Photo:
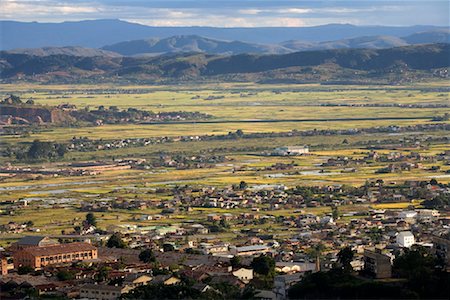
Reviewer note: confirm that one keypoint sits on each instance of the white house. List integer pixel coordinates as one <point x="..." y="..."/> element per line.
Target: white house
<point x="291" y="150"/>
<point x="405" y="239"/>
<point x="409" y="214"/>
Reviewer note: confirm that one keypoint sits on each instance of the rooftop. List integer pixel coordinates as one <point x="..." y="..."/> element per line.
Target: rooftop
<point x="60" y="249"/>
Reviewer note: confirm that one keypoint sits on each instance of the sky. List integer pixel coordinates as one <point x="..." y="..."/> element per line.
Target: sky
<point x="233" y="13"/>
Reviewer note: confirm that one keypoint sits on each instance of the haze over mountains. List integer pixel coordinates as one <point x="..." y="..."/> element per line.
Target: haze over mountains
<point x="98" y="33"/>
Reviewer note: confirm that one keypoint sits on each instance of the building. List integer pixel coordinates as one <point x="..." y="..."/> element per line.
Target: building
<point x="250" y="250"/>
<point x="377" y="264"/>
<point x="33" y="241"/>
<point x="282" y="284"/>
<point x="3" y="265"/>
<point x="166" y="279"/>
<point x="134" y="280"/>
<point x="290" y="150"/>
<point x="38" y="257"/>
<point x="405" y="239"/>
<point x="102" y="292"/>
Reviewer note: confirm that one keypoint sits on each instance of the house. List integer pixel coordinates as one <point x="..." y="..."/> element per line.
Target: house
<point x="250" y="250"/>
<point x="38" y="257"/>
<point x="43" y="289"/>
<point x="244" y="274"/>
<point x="166" y="280"/>
<point x="102" y="291"/>
<point x="290" y="150"/>
<point x="218" y="278"/>
<point x="202" y="287"/>
<point x="405" y="239"/>
<point x="264" y="295"/>
<point x="213" y="217"/>
<point x="377" y="264"/>
<point x="135" y="280"/>
<point x="282" y="283"/>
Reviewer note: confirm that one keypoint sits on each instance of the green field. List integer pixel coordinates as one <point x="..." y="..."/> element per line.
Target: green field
<point x="241" y="101"/>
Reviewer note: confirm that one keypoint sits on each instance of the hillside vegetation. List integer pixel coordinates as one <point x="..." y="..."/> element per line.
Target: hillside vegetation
<point x="392" y="65"/>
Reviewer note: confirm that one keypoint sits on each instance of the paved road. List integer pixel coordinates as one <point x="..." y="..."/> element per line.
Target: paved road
<point x="287" y="120"/>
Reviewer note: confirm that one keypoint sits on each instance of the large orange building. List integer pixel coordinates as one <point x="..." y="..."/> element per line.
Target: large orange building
<point x="59" y="254"/>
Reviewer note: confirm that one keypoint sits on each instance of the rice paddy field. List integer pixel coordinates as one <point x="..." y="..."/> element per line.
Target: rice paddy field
<point x="59" y="197"/>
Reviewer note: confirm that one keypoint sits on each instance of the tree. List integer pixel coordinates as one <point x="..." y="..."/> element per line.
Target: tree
<point x="264" y="265"/>
<point x="235" y="261"/>
<point x="147" y="256"/>
<point x="42" y="150"/>
<point x="102" y="274"/>
<point x="64" y="275"/>
<point x="345" y="257"/>
<point x="224" y="224"/>
<point x="115" y="241"/>
<point x="413" y="261"/>
<point x="167" y="247"/>
<point x="243" y="185"/>
<point x="418" y="266"/>
<point x="335" y="212"/>
<point x="91" y="219"/>
<point x="315" y="252"/>
<point x="24" y="270"/>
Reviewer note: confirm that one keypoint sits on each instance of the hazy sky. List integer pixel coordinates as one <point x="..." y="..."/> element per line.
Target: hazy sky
<point x="232" y="13"/>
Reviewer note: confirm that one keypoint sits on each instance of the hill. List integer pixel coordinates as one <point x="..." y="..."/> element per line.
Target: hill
<point x="434" y="36"/>
<point x="308" y="66"/>
<point x="368" y="42"/>
<point x="192" y="43"/>
<point x="98" y="33"/>
<point x="70" y="51"/>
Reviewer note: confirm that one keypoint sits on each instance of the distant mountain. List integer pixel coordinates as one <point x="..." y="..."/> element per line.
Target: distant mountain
<point x="373" y="42"/>
<point x="310" y="66"/>
<point x="198" y="44"/>
<point x="192" y="43"/>
<point x="368" y="42"/>
<point x="427" y="37"/>
<point x="97" y="33"/>
<point x="70" y="51"/>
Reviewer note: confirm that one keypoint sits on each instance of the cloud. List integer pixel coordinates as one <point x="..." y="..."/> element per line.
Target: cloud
<point x="251" y="11"/>
<point x="294" y="10"/>
<point x="232" y="13"/>
<point x="24" y="9"/>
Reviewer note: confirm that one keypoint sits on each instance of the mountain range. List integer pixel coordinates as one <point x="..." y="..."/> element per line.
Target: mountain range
<point x="98" y="33"/>
<point x="193" y="43"/>
<point x="307" y="66"/>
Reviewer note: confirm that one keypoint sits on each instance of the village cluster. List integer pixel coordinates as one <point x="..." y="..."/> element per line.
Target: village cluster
<point x="109" y="263"/>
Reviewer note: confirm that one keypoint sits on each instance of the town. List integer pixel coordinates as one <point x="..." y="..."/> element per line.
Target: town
<point x="228" y="254"/>
<point x="248" y="150"/>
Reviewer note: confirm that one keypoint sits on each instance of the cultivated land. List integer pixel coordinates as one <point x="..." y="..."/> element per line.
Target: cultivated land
<point x="55" y="201"/>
